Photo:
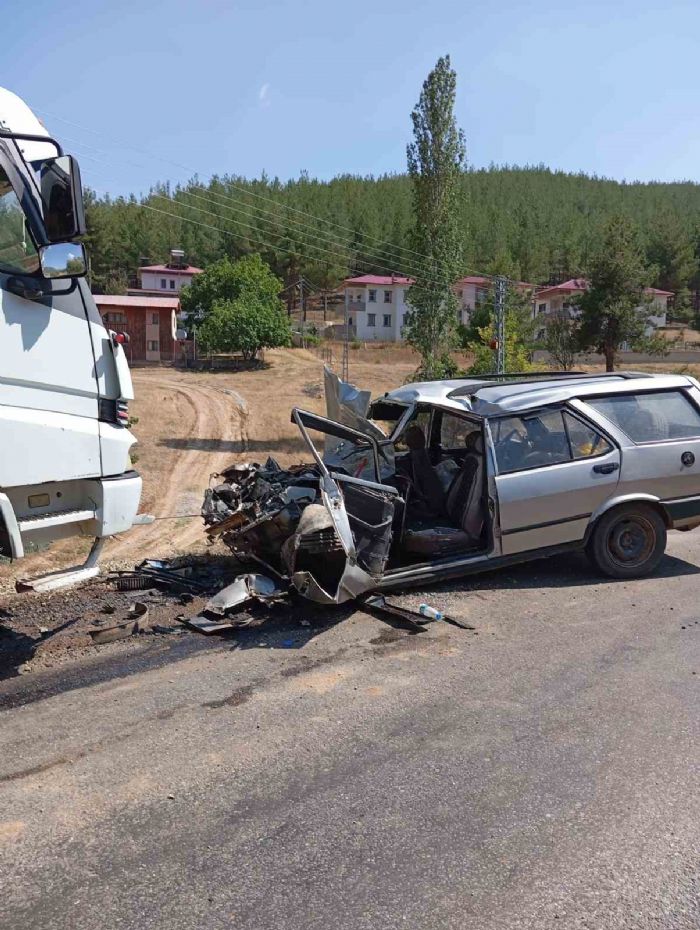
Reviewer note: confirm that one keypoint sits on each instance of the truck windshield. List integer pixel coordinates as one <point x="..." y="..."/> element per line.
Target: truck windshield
<point x="17" y="251"/>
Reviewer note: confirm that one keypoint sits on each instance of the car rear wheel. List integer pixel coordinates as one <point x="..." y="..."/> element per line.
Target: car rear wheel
<point x="628" y="541"/>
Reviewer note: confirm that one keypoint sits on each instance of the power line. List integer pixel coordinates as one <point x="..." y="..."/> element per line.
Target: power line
<point x="376" y="259"/>
<point x="251" y="193"/>
<point x="256" y="239"/>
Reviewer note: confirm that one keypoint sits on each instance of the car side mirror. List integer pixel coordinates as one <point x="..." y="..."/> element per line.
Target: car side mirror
<point x="63" y="260"/>
<point x="62" y="198"/>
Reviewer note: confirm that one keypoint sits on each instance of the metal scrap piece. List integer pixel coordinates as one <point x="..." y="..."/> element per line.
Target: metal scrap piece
<point x="138" y="623"/>
<point x="245" y="588"/>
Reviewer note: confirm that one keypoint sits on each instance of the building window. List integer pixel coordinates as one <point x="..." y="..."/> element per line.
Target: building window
<point x="371" y="318"/>
<point x="372" y="296"/>
<point x="481" y="295"/>
<point x="114" y="318"/>
<point x="387" y="319"/>
<point x="152" y="345"/>
<point x="387" y="297"/>
<point x="172" y="284"/>
<point x="163" y="283"/>
<point x="542" y="308"/>
<point x="154" y="318"/>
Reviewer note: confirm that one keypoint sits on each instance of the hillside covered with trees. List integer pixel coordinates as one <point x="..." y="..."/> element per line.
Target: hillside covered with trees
<point x="533" y="224"/>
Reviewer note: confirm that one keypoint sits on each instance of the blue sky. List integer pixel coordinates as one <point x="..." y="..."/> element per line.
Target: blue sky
<point x="327" y="87"/>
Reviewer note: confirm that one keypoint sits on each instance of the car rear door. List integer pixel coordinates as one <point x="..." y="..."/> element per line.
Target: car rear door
<point x="661" y="455"/>
<point x="554" y="470"/>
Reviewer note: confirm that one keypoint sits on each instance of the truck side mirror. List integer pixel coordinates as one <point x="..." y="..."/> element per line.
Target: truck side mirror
<point x="63" y="260"/>
<point x="62" y="197"/>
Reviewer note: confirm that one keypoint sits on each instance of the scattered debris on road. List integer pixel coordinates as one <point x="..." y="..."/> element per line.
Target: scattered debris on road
<point x="137" y="623"/>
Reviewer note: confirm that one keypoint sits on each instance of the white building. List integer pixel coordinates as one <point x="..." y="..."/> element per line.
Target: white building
<point x="167" y="279"/>
<point x="476" y="290"/>
<point x="563" y="298"/>
<point x="377" y="304"/>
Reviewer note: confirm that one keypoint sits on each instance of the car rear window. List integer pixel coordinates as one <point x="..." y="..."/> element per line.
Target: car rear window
<point x="651" y="417"/>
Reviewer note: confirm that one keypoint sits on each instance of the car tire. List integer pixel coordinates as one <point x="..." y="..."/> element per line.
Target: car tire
<point x="628" y="541"/>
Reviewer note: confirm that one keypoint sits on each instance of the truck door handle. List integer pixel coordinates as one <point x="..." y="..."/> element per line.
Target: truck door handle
<point x="606" y="468"/>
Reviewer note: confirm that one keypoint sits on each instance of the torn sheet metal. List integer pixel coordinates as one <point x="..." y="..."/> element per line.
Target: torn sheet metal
<point x="245" y="588"/>
<point x="348" y="405"/>
<point x="326" y="533"/>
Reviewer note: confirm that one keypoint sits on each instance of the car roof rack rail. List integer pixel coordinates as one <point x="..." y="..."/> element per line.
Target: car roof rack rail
<point x="526" y="377"/>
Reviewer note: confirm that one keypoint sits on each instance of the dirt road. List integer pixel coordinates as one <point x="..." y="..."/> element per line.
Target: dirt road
<point x="206" y="432"/>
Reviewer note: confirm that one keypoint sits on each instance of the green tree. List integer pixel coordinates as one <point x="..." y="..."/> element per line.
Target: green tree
<point x="249" y="279"/>
<point x="671" y="252"/>
<point x="517" y="354"/>
<point x="561" y="340"/>
<point x="435" y="162"/>
<point x="236" y="307"/>
<point x="246" y="325"/>
<point x="614" y="310"/>
<point x="477" y="336"/>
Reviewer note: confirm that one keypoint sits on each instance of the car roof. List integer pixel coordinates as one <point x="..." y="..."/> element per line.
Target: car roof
<point x="489" y="396"/>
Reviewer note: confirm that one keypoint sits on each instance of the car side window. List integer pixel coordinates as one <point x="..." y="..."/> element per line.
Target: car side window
<point x="454" y="430"/>
<point x="421" y="419"/>
<point x="651" y="417"/>
<point x="530" y="441"/>
<point x="584" y="440"/>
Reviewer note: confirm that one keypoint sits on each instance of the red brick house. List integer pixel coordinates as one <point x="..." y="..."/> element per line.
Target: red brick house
<point x="150" y="321"/>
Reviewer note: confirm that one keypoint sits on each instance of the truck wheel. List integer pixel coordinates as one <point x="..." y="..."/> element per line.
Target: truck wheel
<point x="628" y="541"/>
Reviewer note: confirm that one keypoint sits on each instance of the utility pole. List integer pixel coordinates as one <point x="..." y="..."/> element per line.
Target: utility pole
<point x="345" y="365"/>
<point x="500" y="285"/>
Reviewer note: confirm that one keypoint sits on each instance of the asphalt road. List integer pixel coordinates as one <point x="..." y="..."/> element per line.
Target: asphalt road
<point x="540" y="773"/>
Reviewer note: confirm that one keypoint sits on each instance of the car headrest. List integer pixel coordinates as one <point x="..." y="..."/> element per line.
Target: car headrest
<point x="415" y="439"/>
<point x="474" y="442"/>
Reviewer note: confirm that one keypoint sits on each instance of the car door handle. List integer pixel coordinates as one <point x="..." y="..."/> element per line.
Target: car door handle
<point x="606" y="468"/>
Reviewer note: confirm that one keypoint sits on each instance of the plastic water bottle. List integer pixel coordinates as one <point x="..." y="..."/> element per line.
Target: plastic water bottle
<point x="431" y="613"/>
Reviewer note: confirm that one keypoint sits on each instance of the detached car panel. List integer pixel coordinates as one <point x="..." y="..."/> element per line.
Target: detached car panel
<point x="443" y="478"/>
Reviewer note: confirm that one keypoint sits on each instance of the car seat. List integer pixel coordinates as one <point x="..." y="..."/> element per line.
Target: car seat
<point x="427" y="490"/>
<point x="464" y="508"/>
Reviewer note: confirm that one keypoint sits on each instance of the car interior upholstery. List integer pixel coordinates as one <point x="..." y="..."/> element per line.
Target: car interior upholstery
<point x="438" y="521"/>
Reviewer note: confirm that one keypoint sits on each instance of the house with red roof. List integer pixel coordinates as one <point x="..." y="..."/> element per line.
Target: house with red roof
<point x="377" y="305"/>
<point x="169" y="278"/>
<point x="562" y="298"/>
<point x="148" y="320"/>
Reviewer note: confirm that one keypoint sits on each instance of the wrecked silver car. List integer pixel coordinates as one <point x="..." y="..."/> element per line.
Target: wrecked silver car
<point x="440" y="479"/>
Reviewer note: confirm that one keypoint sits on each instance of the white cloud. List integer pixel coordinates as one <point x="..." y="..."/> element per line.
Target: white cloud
<point x="264" y="95"/>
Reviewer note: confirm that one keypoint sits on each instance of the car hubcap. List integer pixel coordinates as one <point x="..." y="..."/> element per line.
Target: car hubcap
<point x="631" y="541"/>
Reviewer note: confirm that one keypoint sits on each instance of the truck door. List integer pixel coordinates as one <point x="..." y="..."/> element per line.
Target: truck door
<point x="554" y="471"/>
<point x="48" y="391"/>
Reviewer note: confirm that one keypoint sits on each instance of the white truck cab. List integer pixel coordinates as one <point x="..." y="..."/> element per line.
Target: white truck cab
<point x="64" y="380"/>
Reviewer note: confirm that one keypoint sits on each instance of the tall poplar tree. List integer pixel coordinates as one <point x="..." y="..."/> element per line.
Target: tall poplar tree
<point x="436" y="159"/>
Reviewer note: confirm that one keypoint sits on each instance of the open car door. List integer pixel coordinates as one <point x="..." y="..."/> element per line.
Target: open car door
<point x="360" y="512"/>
